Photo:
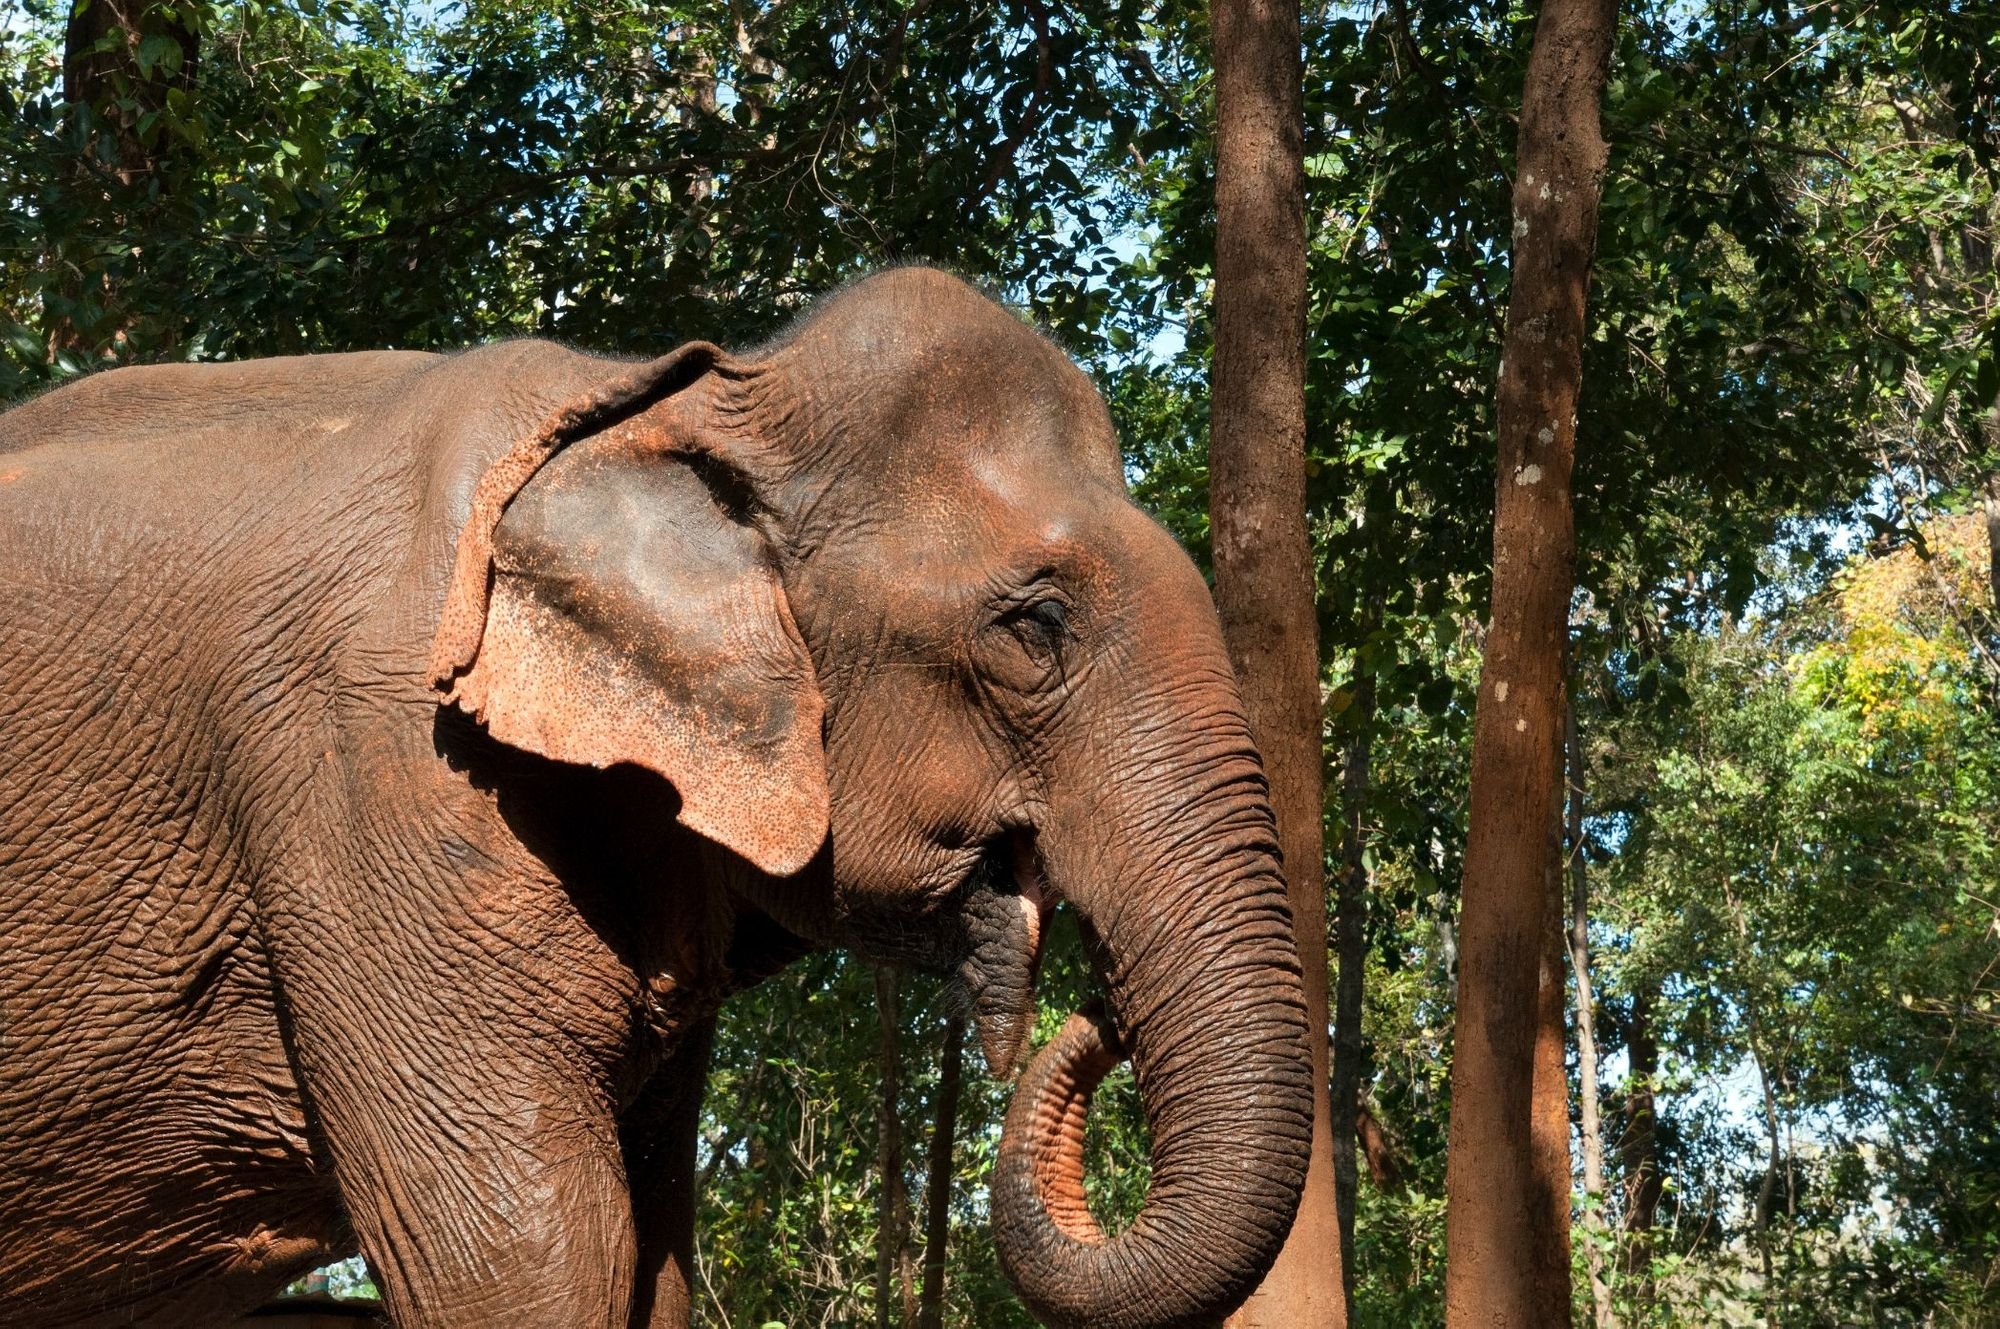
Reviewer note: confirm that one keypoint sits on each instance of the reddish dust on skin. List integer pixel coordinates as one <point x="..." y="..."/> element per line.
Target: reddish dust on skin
<point x="462" y="623"/>
<point x="750" y="773"/>
<point x="1051" y="1107"/>
<point x="8" y="477"/>
<point x="562" y="664"/>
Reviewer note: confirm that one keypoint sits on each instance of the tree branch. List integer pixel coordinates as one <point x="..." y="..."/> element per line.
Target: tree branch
<point x="1031" y="115"/>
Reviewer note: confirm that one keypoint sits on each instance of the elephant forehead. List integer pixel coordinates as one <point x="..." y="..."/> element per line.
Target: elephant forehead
<point x="985" y="511"/>
<point x="1054" y="423"/>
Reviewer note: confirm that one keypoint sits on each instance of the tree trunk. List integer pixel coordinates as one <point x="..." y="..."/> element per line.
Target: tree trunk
<point x="1992" y="487"/>
<point x="937" y="1186"/>
<point x="1447" y="930"/>
<point x="1264" y="580"/>
<point x="1496" y="1185"/>
<point x="1988" y="485"/>
<point x="1753" y="1029"/>
<point x="1638" y="1150"/>
<point x="1548" y="1110"/>
<point x="1352" y="927"/>
<point x="1762" y="1217"/>
<point x="1590" y="1127"/>
<point x="116" y="81"/>
<point x="895" y="1292"/>
<point x="1383" y="1168"/>
<point x="103" y="71"/>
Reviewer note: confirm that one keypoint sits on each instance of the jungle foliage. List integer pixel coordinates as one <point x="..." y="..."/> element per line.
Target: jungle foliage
<point x="1785" y="648"/>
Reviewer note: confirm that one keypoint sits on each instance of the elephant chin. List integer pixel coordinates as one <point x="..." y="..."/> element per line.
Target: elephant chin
<point x="1005" y="930"/>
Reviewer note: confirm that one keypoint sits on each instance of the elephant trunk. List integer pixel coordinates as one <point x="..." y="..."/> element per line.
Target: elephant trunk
<point x="1194" y="935"/>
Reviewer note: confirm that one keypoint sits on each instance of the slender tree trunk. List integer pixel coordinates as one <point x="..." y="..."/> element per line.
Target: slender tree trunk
<point x="1497" y="1183"/>
<point x="1590" y="1128"/>
<point x="1764" y="1190"/>
<point x="1753" y="1028"/>
<point x="1638" y="1150"/>
<point x="1992" y="488"/>
<point x="895" y="1291"/>
<point x="1352" y="926"/>
<point x="1989" y="487"/>
<point x="937" y="1186"/>
<point x="1447" y="930"/>
<point x="1264" y="581"/>
<point x="1383" y="1168"/>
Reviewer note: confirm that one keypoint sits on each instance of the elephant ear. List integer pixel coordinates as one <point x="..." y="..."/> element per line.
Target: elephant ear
<point x="613" y="601"/>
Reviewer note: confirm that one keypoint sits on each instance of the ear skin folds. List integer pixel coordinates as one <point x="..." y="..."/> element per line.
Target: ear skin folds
<point x="606" y="608"/>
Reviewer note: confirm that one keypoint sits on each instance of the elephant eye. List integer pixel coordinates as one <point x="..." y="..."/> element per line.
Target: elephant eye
<point x="1032" y="627"/>
<point x="1052" y="616"/>
<point x="1042" y="627"/>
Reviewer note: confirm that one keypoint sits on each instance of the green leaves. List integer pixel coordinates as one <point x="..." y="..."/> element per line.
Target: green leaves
<point x="622" y="179"/>
<point x="1795" y="346"/>
<point x="155" y="55"/>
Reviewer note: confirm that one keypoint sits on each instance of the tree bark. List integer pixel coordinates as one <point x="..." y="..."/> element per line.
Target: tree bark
<point x="1352" y="931"/>
<point x="1765" y="1189"/>
<point x="118" y="90"/>
<point x="1590" y="1126"/>
<point x="1989" y="487"/>
<point x="1638" y="1149"/>
<point x="1383" y="1168"/>
<point x="117" y="75"/>
<point x="1548" y="1112"/>
<point x="1497" y="1245"/>
<point x="1753" y="1035"/>
<point x="937" y="1186"/>
<point x="1264" y="580"/>
<point x="895" y="1291"/>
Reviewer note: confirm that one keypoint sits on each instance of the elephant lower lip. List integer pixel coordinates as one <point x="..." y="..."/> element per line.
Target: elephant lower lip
<point x="1036" y="901"/>
<point x="1031" y="919"/>
<point x="1006" y="931"/>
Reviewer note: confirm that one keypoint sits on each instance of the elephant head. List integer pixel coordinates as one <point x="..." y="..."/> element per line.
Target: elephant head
<point x="874" y="599"/>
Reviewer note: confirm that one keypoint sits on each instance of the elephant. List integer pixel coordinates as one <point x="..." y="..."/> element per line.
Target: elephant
<point x="404" y="755"/>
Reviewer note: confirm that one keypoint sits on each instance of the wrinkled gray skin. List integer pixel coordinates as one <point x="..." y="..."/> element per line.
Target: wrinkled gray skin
<point x="402" y="756"/>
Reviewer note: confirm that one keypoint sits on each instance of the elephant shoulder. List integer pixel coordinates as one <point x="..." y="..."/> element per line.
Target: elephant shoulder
<point x="395" y="398"/>
<point x="145" y="403"/>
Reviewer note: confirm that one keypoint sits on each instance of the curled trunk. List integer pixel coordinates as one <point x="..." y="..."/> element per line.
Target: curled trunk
<point x="1214" y="1018"/>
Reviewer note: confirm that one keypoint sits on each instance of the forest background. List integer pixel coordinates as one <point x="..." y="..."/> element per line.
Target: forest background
<point x="1784" y="809"/>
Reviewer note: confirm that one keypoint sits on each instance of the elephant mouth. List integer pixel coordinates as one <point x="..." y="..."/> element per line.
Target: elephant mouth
<point x="1005" y="914"/>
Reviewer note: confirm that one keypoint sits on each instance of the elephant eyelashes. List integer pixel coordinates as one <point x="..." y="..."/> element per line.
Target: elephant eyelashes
<point x="1042" y="626"/>
<point x="1052" y="616"/>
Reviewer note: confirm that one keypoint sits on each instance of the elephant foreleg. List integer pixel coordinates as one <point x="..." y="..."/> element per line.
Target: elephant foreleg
<point x="474" y="1152"/>
<point x="659" y="1141"/>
